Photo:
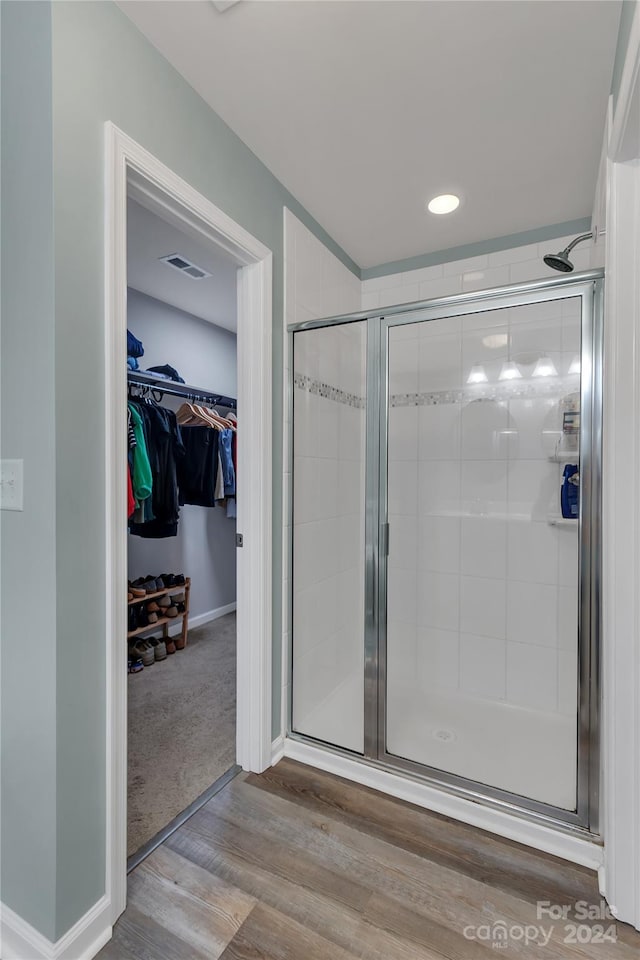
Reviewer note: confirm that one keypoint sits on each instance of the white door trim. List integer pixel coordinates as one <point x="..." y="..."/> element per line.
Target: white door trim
<point x="129" y="168"/>
<point x="620" y="874"/>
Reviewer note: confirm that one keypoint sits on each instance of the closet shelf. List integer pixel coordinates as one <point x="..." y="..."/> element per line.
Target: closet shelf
<point x="159" y="593"/>
<point x="160" y="622"/>
<point x="175" y="389"/>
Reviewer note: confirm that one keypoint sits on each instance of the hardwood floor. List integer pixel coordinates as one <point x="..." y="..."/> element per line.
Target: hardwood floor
<point x="296" y="864"/>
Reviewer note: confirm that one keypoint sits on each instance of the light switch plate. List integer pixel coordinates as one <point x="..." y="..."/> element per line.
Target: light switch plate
<point x="11" y="477"/>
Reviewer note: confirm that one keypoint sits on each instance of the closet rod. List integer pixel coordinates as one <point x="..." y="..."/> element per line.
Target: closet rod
<point x="180" y="389"/>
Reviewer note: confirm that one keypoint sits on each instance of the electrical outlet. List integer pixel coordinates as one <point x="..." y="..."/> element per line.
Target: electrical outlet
<point x="11" y="475"/>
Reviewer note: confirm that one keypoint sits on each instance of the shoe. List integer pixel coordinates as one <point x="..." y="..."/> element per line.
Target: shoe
<point x="152" y="617"/>
<point x="150" y="585"/>
<point x="129" y="597"/>
<point x="181" y="607"/>
<point x="145" y="652"/>
<point x="180" y="581"/>
<point x="178" y="597"/>
<point x="180" y="643"/>
<point x="163" y="602"/>
<point x="137" y="591"/>
<point x="159" y="647"/>
<point x="133" y="620"/>
<point x="135" y="665"/>
<point x="152" y="607"/>
<point x="142" y="617"/>
<point x="160" y="584"/>
<point x="170" y="645"/>
<point x="171" y="611"/>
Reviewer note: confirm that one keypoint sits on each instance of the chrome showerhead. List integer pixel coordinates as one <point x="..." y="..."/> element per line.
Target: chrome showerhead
<point x="560" y="261"/>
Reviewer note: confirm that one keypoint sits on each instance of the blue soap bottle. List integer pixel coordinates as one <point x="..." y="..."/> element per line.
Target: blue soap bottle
<point x="570" y="492"/>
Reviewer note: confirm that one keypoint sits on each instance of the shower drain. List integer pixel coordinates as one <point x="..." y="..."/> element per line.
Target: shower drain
<point x="447" y="736"/>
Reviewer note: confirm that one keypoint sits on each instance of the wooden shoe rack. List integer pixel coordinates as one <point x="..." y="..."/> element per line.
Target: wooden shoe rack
<point x="164" y="622"/>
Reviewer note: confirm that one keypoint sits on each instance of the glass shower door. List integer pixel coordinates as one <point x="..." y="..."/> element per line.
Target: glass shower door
<point x="329" y="389"/>
<point x="481" y="665"/>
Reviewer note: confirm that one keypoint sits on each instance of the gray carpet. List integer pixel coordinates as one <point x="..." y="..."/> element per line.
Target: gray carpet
<point x="182" y="728"/>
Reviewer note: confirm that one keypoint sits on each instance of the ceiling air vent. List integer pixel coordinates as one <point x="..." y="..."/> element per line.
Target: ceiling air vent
<point x="185" y="266"/>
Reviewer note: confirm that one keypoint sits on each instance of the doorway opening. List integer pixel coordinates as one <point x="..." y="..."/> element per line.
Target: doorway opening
<point x="203" y="597"/>
<point x="182" y="410"/>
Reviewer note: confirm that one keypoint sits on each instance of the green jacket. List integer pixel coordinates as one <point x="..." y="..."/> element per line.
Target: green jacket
<point x="141" y="479"/>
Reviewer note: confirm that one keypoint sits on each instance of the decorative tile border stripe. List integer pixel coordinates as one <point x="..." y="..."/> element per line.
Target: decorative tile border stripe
<point x="553" y="389"/>
<point x="320" y="389"/>
<point x="490" y="391"/>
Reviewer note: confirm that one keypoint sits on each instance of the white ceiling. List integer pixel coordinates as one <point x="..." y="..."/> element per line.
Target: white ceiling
<point x="365" y="110"/>
<point x="148" y="238"/>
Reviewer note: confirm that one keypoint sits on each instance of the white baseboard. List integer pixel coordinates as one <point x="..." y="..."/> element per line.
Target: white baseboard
<point x="564" y="845"/>
<point x="277" y="750"/>
<point x="201" y="619"/>
<point x="20" y="941"/>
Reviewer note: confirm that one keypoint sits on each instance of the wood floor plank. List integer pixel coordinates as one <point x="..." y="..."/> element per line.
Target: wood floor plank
<point x="345" y="927"/>
<point x="374" y="863"/>
<point x="197" y="906"/>
<point x="257" y="841"/>
<point x="137" y="937"/>
<point x="270" y="935"/>
<point x="534" y="875"/>
<point x="421" y="931"/>
<point x="298" y="864"/>
<point x="432" y="891"/>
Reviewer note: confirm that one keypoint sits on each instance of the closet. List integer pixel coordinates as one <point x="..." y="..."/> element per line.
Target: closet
<point x="182" y="472"/>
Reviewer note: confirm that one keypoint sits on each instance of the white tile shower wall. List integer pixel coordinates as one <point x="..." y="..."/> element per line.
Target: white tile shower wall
<point x="482" y="589"/>
<point x="328" y="476"/>
<point x="516" y="265"/>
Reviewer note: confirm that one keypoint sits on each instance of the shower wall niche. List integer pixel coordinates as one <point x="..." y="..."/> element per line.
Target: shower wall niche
<point x="445" y="592"/>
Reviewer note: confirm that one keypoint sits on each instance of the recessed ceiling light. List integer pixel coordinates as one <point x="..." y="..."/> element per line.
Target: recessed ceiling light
<point x="545" y="367"/>
<point x="509" y="371"/>
<point x="445" y="203"/>
<point x="477" y="374"/>
<point x="495" y="340"/>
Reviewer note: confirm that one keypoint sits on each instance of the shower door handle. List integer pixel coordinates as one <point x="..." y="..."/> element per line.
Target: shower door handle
<point x="384" y="539"/>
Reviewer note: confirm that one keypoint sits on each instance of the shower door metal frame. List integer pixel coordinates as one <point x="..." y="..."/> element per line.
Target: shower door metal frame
<point x="589" y="287"/>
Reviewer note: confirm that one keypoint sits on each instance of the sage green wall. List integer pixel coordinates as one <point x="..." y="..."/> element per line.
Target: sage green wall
<point x="28" y="579"/>
<point x="104" y="69"/>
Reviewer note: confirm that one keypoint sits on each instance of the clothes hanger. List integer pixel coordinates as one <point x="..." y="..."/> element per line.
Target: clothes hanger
<point x="191" y="414"/>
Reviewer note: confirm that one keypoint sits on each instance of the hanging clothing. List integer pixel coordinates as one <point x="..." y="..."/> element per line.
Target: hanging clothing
<point x="131" y="500"/>
<point x="165" y="449"/>
<point x="198" y="470"/>
<point x="139" y="457"/>
<point x="228" y="471"/>
<point x="219" y="491"/>
<point x="130" y="433"/>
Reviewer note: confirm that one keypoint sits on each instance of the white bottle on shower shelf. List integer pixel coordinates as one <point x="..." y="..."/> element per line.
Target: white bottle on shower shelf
<point x="570" y="410"/>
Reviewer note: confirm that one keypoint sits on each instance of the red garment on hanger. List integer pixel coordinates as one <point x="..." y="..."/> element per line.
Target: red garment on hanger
<point x="131" y="500"/>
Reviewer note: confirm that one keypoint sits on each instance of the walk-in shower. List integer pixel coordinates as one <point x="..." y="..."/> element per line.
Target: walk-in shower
<point x="445" y="538"/>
